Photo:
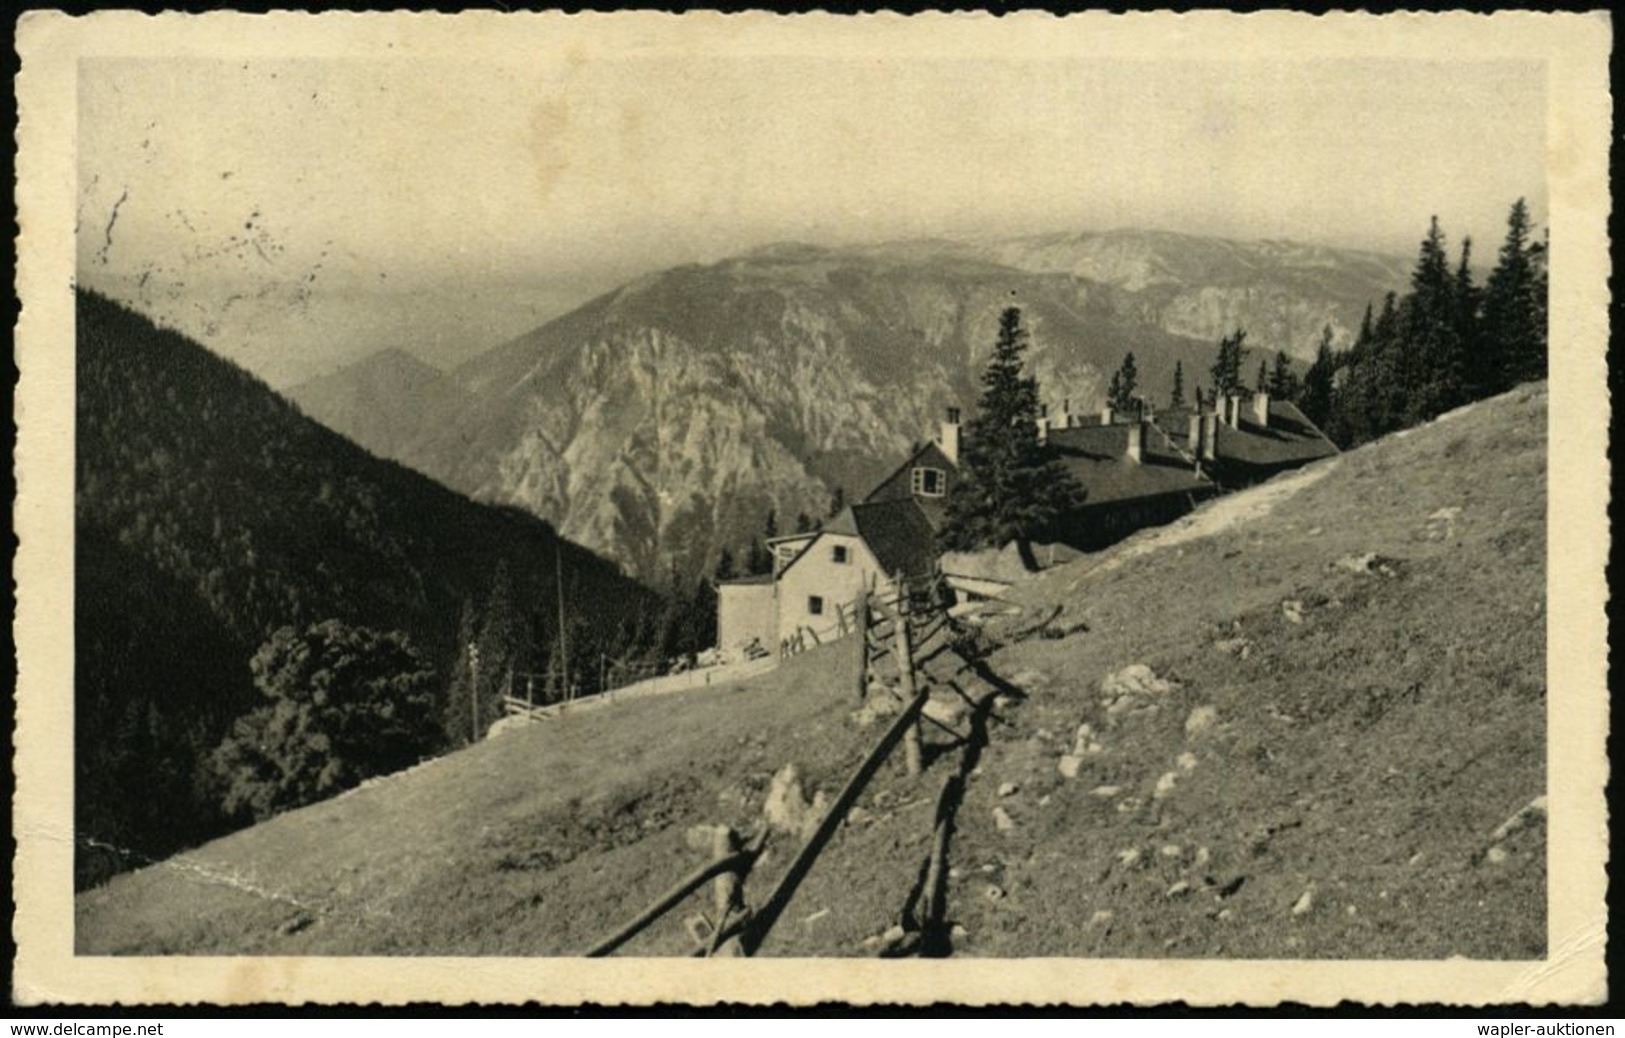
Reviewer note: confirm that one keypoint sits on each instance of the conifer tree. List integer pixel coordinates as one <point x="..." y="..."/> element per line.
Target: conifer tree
<point x="1124" y="382"/>
<point x="1514" y="327"/>
<point x="837" y="501"/>
<point x="1262" y="382"/>
<point x="1010" y="487"/>
<point x="1316" y="396"/>
<point x="1227" y="368"/>
<point x="725" y="566"/>
<point x="1177" y="397"/>
<point x="1283" y="384"/>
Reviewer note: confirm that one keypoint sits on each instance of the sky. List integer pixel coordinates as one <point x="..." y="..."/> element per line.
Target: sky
<point x="296" y="214"/>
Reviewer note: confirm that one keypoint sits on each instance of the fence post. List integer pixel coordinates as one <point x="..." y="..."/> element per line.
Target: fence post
<point x="861" y="620"/>
<point x="913" y="752"/>
<point x="725" y="889"/>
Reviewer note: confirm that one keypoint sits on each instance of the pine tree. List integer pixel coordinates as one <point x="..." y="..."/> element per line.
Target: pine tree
<point x="1316" y="396"/>
<point x="837" y="501"/>
<point x="1470" y="373"/>
<point x="1431" y="369"/>
<point x="1125" y="381"/>
<point x="456" y="720"/>
<point x="1227" y="368"/>
<point x="1010" y="487"/>
<point x="725" y="566"/>
<point x="1177" y="397"/>
<point x="1283" y="383"/>
<point x="1514" y="326"/>
<point x="1262" y="382"/>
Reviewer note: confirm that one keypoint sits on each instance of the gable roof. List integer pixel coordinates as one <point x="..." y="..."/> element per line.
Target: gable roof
<point x="1097" y="457"/>
<point x="928" y="455"/>
<point x="1289" y="440"/>
<point x="899" y="534"/>
<point x="896" y="532"/>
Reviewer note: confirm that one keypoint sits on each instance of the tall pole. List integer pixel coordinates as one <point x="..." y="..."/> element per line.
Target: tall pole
<point x="473" y="693"/>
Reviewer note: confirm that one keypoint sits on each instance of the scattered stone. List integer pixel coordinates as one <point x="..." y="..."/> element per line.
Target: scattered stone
<point x="1496" y="855"/>
<point x="945" y="711"/>
<point x="1165" y="784"/>
<point x="859" y="815"/>
<point x="1002" y="820"/>
<point x="821" y="913"/>
<point x="1179" y="889"/>
<point x="1085" y="743"/>
<point x="1129" y="856"/>
<point x="1306" y="903"/>
<point x="958" y="932"/>
<point x="701" y="837"/>
<point x="1519" y="819"/>
<point x="1202" y="856"/>
<point x="1069" y="765"/>
<point x="1417" y="858"/>
<point x="1225" y="913"/>
<point x="955" y="872"/>
<point x="786" y="809"/>
<point x="1292" y="609"/>
<point x="990" y="867"/>
<point x="1170" y="850"/>
<point x="1136" y="682"/>
<point x="1201" y="720"/>
<point x="1186" y="762"/>
<point x="1105" y="792"/>
<point x="1043" y="801"/>
<point x="1101" y="917"/>
<point x="1241" y="648"/>
<point x="992" y="892"/>
<point x="1127" y="804"/>
<point x="1351" y="911"/>
<point x="1314" y="531"/>
<point x="1008" y="789"/>
<point x="1368" y="564"/>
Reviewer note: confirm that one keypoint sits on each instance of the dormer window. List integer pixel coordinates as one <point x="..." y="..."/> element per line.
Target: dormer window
<point x="929" y="482"/>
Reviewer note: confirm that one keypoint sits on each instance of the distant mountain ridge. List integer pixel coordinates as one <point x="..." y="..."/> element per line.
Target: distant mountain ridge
<point x="660" y="422"/>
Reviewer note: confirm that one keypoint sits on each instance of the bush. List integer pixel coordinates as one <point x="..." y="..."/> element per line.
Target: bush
<point x="343" y="704"/>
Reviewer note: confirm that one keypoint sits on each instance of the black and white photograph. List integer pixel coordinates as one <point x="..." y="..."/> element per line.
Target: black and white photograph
<point x="1079" y="495"/>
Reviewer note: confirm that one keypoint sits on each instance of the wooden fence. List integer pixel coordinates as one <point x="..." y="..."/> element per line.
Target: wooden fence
<point x="893" y="626"/>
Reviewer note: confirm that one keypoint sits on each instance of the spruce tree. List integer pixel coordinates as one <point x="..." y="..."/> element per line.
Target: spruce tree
<point x="1514" y="327"/>
<point x="1124" y="382"/>
<point x="1283" y="384"/>
<point x="1262" y="382"/>
<point x="1227" y="368"/>
<point x="1010" y="487"/>
<point x="1177" y="397"/>
<point x="1316" y="396"/>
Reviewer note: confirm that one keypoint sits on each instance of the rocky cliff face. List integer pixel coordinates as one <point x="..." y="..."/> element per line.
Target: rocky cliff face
<point x="661" y="422"/>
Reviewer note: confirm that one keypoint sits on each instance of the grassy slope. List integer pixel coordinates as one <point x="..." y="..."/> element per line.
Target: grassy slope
<point x="1364" y="754"/>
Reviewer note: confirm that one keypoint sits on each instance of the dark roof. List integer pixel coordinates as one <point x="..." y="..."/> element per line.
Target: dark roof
<point x="1290" y="439"/>
<point x="931" y="455"/>
<point x="899" y="534"/>
<point x="1097" y="457"/>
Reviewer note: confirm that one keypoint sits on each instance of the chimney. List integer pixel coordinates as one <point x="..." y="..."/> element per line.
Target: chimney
<point x="948" y="439"/>
<point x="1210" y="437"/>
<point x="1261" y="409"/>
<point x="1136" y="442"/>
<point x="1106" y="415"/>
<point x="1232" y="416"/>
<point x="1066" y="412"/>
<point x="1043" y="428"/>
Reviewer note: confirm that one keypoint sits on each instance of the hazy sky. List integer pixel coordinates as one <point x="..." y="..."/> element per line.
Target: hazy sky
<point x="303" y="212"/>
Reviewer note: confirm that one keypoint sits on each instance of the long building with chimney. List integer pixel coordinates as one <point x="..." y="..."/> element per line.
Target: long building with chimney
<point x="1136" y="471"/>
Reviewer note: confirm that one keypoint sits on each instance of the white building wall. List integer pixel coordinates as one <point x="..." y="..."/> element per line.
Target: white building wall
<point x="817" y="573"/>
<point x="746" y="612"/>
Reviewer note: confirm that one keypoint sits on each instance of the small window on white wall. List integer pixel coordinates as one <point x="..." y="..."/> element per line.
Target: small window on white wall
<point x="815" y="605"/>
<point x="930" y="482"/>
<point x="838" y="554"/>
